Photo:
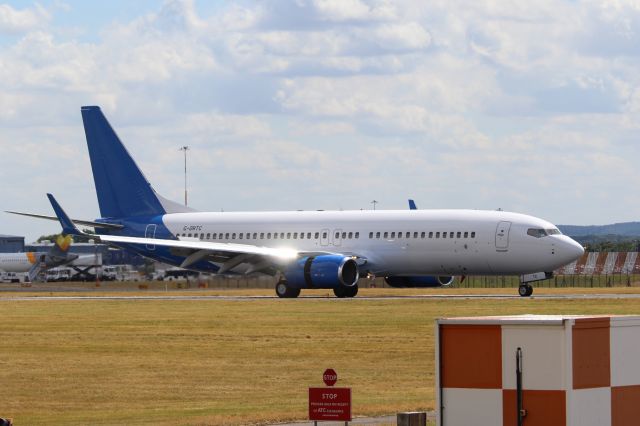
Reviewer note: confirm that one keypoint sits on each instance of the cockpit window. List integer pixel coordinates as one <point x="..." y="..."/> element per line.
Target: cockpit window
<point x="539" y="232"/>
<point x="536" y="232"/>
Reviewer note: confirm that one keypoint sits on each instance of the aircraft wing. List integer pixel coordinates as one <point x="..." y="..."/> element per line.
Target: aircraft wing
<point x="228" y="255"/>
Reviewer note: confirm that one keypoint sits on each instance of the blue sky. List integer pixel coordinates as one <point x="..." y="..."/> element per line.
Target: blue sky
<point x="328" y="104"/>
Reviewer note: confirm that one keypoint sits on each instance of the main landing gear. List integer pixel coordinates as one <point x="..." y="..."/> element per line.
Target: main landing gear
<point x="284" y="291"/>
<point x="525" y="290"/>
<point x="346" y="291"/>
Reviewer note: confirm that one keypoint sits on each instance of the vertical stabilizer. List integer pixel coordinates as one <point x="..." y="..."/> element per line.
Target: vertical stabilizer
<point x="121" y="187"/>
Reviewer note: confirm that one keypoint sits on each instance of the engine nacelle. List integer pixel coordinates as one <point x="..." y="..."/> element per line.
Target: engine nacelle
<point x="325" y="271"/>
<point x="419" y="281"/>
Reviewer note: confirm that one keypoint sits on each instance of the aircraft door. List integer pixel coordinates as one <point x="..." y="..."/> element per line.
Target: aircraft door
<point x="150" y="232"/>
<point x="502" y="236"/>
<point x="324" y="237"/>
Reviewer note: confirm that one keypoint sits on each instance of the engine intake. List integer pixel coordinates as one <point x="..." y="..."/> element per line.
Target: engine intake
<point x="419" y="281"/>
<point x="325" y="271"/>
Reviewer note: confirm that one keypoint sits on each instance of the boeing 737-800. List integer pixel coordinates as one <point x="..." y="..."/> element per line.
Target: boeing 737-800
<point x="313" y="249"/>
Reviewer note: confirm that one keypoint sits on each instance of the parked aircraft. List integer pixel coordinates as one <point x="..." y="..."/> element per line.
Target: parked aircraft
<point x="313" y="249"/>
<point x="36" y="262"/>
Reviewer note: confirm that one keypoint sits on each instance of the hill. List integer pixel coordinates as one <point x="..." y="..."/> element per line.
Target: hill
<point x="626" y="229"/>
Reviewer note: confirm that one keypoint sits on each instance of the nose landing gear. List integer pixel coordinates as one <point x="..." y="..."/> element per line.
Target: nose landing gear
<point x="525" y="290"/>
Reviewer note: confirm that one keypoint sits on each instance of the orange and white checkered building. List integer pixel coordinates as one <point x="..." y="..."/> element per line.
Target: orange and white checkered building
<point x="576" y="370"/>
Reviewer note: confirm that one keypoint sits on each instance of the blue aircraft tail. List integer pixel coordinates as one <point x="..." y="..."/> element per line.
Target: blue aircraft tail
<point x="122" y="189"/>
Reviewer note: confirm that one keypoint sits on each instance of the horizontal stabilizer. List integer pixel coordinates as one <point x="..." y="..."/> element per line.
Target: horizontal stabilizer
<point x="76" y="221"/>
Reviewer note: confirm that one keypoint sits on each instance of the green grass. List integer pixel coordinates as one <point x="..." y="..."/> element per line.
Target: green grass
<point x="228" y="362"/>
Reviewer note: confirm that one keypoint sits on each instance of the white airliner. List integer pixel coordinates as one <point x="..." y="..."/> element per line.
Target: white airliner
<point x="318" y="249"/>
<point x="36" y="262"/>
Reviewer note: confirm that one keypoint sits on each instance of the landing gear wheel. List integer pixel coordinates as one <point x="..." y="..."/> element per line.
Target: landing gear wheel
<point x="525" y="290"/>
<point x="352" y="291"/>
<point x="284" y="291"/>
<point x="529" y="289"/>
<point x="342" y="291"/>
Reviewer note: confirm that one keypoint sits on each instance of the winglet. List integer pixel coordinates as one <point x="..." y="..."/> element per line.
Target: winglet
<point x="68" y="227"/>
<point x="412" y="205"/>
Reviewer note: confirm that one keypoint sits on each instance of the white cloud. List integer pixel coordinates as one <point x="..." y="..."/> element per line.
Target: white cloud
<point x="14" y="21"/>
<point x="325" y="104"/>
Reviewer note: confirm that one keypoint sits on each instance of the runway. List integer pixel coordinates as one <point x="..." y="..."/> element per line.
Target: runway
<point x="328" y="299"/>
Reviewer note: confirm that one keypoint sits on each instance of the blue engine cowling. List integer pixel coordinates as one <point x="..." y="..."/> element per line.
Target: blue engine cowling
<point x="419" y="282"/>
<point x="325" y="271"/>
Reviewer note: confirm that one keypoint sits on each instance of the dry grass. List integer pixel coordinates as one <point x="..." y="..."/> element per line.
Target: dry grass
<point x="228" y="362"/>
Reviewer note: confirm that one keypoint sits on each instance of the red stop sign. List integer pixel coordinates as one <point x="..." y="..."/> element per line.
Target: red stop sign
<point x="330" y="377"/>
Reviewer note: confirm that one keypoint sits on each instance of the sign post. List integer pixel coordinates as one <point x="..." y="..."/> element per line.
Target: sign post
<point x="329" y="403"/>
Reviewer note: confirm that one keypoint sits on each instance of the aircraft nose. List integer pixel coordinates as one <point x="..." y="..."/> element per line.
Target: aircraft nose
<point x="572" y="250"/>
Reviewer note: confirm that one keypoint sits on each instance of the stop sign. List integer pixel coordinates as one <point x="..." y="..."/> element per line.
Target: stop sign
<point x="330" y="377"/>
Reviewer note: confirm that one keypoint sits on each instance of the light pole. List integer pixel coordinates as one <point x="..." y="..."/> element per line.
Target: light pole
<point x="185" y="149"/>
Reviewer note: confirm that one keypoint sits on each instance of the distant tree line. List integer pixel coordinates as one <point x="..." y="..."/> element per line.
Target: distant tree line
<point x="606" y="243"/>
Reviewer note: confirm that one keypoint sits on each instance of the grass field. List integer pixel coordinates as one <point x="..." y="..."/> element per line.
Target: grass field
<point x="229" y="362"/>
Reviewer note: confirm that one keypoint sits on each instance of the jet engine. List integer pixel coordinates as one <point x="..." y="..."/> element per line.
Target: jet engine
<point x="325" y="271"/>
<point x="419" y="281"/>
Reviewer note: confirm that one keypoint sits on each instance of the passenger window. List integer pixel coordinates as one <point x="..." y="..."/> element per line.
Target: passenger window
<point x="309" y="235"/>
<point x="255" y="235"/>
<point x="317" y="234"/>
<point x="350" y="235"/>
<point x="275" y="235"/>
<point x="393" y="235"/>
<point x="399" y="234"/>
<point x="202" y="236"/>
<point x="268" y="235"/>
<point x="324" y="235"/>
<point x="240" y="236"/>
<point x="288" y="235"/>
<point x="337" y="236"/>
<point x="262" y="235"/>
<point x="377" y="234"/>
<point x="357" y="235"/>
<point x="302" y="235"/>
<point x="386" y="235"/>
<point x="437" y="235"/>
<point x="282" y="235"/>
<point x="208" y="235"/>
<point x="233" y="236"/>
<point x="214" y="236"/>
<point x="459" y="234"/>
<point x="450" y="234"/>
<point x="473" y="234"/>
<point x="295" y="235"/>
<point x="466" y="234"/>
<point x="344" y="235"/>
<point x="189" y="235"/>
<point x="415" y="235"/>
<point x="444" y="235"/>
<point x="226" y="236"/>
<point x="370" y="235"/>
<point x="430" y="234"/>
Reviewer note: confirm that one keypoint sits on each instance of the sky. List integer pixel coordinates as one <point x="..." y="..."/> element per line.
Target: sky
<point x="531" y="107"/>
